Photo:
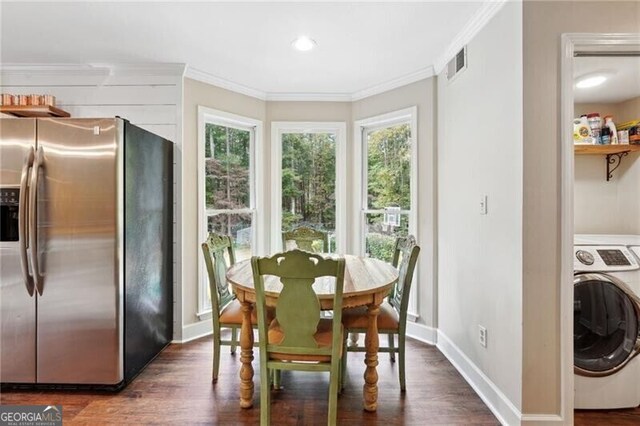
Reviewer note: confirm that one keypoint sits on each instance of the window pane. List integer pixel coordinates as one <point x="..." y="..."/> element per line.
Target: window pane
<point x="389" y="167"/>
<point x="381" y="236"/>
<point x="308" y="182"/>
<point x="239" y="226"/>
<point x="227" y="152"/>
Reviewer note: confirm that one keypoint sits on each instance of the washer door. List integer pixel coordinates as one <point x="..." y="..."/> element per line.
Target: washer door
<point x="605" y="324"/>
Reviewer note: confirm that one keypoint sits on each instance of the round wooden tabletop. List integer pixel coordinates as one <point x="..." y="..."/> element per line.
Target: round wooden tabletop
<point x="362" y="276"/>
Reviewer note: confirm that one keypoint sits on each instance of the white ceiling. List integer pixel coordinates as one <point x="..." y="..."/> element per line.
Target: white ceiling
<point x="360" y="45"/>
<point x="623" y="81"/>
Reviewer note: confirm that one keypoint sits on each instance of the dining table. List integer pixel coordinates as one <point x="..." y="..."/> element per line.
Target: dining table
<point x="367" y="282"/>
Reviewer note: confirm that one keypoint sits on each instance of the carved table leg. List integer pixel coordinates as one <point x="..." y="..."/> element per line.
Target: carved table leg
<point x="371" y="342"/>
<point x="246" y="356"/>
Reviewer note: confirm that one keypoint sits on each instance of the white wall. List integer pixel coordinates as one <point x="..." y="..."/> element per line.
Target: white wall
<point x="479" y="152"/>
<point x="622" y="112"/>
<point x="629" y="109"/>
<point x="149" y="96"/>
<point x="602" y="207"/>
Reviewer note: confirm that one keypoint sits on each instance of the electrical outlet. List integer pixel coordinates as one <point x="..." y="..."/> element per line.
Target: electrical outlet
<point x="482" y="335"/>
<point x="483" y="205"/>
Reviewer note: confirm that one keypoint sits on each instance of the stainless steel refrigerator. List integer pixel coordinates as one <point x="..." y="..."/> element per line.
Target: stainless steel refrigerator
<point x="86" y="257"/>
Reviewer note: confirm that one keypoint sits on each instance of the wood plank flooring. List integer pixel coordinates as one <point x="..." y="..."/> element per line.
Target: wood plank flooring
<point x="627" y="417"/>
<point x="176" y="389"/>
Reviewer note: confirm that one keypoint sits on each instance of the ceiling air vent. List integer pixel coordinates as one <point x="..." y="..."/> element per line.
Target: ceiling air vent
<point x="457" y="64"/>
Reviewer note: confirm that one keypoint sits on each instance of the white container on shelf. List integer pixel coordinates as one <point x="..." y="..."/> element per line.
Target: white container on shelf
<point x="582" y="131"/>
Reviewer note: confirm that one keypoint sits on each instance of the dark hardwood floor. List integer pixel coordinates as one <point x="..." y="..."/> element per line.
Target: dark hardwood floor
<point x="627" y="417"/>
<point x="176" y="389"/>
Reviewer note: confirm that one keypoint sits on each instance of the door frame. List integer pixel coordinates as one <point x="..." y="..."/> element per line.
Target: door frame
<point x="570" y="44"/>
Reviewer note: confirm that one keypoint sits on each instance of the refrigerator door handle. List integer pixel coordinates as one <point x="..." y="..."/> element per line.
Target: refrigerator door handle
<point x="33" y="220"/>
<point x="22" y="221"/>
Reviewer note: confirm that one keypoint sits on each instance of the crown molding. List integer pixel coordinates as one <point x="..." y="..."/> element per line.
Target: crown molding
<point x="97" y="69"/>
<point x="393" y="84"/>
<point x="309" y="97"/>
<point x="475" y="24"/>
<point x="205" y="77"/>
<point x="52" y="69"/>
<point x="102" y="72"/>
<point x="161" y="68"/>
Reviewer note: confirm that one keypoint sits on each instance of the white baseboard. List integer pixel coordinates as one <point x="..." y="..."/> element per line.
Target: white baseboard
<point x="195" y="331"/>
<point x="491" y="395"/>
<point x="498" y="403"/>
<point x="541" y="419"/>
<point x="422" y="332"/>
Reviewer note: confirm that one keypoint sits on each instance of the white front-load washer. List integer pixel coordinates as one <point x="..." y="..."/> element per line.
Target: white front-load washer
<point x="606" y="334"/>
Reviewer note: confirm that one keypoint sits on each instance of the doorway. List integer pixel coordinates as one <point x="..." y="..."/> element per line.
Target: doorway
<point x="584" y="56"/>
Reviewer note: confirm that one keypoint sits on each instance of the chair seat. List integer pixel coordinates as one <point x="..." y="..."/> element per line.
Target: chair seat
<point x="358" y="318"/>
<point x="232" y="314"/>
<point x="323" y="337"/>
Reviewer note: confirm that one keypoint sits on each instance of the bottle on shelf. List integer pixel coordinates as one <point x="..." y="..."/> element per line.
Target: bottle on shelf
<point x="605" y="136"/>
<point x="596" y="127"/>
<point x="581" y="131"/>
<point x="608" y="122"/>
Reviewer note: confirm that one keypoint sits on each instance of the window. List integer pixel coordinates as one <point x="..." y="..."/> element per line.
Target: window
<point x="227" y="196"/>
<point x="387" y="189"/>
<point x="386" y="156"/>
<point x="307" y="162"/>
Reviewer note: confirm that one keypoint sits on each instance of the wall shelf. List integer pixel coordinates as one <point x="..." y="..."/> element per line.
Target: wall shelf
<point x="604" y="149"/>
<point x="613" y="153"/>
<point x="33" y="111"/>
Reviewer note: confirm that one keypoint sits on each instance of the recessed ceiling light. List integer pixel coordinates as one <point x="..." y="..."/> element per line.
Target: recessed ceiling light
<point x="303" y="43"/>
<point x="591" y="81"/>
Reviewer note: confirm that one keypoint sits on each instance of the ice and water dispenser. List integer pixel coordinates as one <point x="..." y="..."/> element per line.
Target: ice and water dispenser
<point x="9" y="208"/>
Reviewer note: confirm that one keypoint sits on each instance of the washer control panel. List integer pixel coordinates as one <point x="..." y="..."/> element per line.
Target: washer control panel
<point x="604" y="259"/>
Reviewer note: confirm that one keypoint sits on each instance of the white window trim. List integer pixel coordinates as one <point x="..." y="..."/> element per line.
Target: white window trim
<point x="278" y="128"/>
<point x="360" y="207"/>
<point x="256" y="170"/>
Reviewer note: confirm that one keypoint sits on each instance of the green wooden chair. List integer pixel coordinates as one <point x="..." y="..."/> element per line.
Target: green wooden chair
<point x="392" y="319"/>
<point x="298" y="339"/>
<point x="225" y="309"/>
<point x="304" y="238"/>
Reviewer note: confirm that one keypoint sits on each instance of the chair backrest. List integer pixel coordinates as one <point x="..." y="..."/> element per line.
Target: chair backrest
<point x="405" y="257"/>
<point x="298" y="307"/>
<point x="213" y="250"/>
<point x="304" y="238"/>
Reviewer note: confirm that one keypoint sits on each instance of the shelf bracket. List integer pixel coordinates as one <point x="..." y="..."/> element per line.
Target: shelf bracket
<point x="614" y="160"/>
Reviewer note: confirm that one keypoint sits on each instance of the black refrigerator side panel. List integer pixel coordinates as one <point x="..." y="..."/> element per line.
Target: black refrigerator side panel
<point x="148" y="236"/>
